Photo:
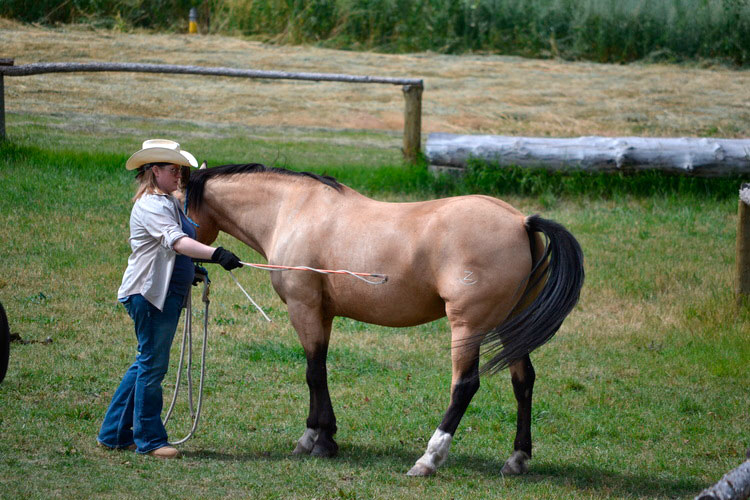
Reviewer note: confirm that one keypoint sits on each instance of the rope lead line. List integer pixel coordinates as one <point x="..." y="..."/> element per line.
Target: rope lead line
<point x="382" y="278"/>
<point x="187" y="338"/>
<point x="249" y="297"/>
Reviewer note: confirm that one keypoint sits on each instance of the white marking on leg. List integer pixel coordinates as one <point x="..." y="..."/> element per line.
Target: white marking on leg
<point x="307" y="441"/>
<point x="467" y="279"/>
<point x="437" y="450"/>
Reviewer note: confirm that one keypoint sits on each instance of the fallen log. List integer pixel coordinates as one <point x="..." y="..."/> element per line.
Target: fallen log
<point x="690" y="156"/>
<point x="735" y="485"/>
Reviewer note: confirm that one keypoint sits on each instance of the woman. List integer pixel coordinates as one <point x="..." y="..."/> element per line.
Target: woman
<point x="154" y="286"/>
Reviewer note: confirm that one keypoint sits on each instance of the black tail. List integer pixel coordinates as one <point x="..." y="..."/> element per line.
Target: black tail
<point x="535" y="324"/>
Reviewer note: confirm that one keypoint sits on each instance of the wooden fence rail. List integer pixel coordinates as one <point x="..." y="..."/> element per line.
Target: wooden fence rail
<point x="412" y="87"/>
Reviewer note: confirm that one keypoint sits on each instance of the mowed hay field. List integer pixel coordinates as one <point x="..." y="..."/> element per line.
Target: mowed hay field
<point x="463" y="94"/>
<point x="642" y="393"/>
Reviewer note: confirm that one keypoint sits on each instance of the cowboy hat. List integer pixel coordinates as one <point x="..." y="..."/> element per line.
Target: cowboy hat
<point x="160" y="151"/>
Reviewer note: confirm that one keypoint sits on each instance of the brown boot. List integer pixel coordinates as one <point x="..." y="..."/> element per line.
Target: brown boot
<point x="165" y="452"/>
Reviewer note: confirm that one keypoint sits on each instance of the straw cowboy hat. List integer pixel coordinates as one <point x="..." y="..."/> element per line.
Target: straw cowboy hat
<point x="160" y="151"/>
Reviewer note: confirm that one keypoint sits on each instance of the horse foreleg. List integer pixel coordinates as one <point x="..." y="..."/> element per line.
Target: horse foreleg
<point x="465" y="384"/>
<point x="321" y="419"/>
<point x="314" y="333"/>
<point x="522" y="376"/>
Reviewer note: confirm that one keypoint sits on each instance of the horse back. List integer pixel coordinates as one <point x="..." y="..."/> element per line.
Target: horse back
<point x="452" y="249"/>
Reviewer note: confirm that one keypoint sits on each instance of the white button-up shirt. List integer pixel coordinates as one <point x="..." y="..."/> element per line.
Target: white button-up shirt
<point x="154" y="228"/>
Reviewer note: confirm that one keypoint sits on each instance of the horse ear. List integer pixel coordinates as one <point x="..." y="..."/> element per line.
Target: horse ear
<point x="203" y="165"/>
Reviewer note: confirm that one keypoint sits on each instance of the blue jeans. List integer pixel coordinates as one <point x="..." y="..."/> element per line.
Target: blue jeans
<point x="134" y="415"/>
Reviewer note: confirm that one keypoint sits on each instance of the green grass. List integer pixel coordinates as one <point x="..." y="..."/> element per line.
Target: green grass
<point x="642" y="394"/>
<point x="599" y="30"/>
<point x="302" y="148"/>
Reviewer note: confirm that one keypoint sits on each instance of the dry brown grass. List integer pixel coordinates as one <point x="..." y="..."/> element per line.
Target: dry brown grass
<point x="466" y="94"/>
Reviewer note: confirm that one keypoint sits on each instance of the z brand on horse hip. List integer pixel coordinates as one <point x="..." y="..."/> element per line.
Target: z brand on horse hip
<point x="505" y="281"/>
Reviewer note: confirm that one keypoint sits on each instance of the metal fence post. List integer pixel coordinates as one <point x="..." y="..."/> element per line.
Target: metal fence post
<point x="742" y="283"/>
<point x="3" y="62"/>
<point x="412" y="122"/>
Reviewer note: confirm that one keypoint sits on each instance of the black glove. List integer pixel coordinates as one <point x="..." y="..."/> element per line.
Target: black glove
<point x="200" y="271"/>
<point x="227" y="259"/>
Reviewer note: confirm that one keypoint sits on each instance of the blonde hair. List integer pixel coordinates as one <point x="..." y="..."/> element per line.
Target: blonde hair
<point x="147" y="180"/>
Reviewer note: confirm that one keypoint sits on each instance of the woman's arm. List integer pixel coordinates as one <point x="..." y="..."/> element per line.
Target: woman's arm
<point x="197" y="250"/>
<point x="193" y="248"/>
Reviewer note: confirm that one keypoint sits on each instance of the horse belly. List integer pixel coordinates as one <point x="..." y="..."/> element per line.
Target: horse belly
<point x="387" y="305"/>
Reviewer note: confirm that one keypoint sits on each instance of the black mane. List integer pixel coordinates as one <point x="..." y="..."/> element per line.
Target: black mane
<point x="198" y="178"/>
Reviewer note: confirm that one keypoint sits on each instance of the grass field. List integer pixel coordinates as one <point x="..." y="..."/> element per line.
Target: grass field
<point x="468" y="94"/>
<point x="642" y="393"/>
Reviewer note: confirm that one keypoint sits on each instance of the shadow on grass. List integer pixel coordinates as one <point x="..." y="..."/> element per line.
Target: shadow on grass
<point x="606" y="482"/>
<point x="585" y="478"/>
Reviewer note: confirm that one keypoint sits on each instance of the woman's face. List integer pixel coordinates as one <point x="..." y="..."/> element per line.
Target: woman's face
<point x="167" y="177"/>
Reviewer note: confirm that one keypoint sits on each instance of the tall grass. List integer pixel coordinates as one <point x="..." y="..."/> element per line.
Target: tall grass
<point x="547" y="187"/>
<point x="599" y="30"/>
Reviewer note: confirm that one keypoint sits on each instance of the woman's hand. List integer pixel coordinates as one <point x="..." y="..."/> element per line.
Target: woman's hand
<point x="227" y="259"/>
<point x="197" y="250"/>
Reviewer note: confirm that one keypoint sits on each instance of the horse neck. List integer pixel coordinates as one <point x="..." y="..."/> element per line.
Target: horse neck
<point x="246" y="206"/>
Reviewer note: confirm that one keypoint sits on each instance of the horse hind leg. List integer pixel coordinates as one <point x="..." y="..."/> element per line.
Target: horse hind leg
<point x="465" y="383"/>
<point x="522" y="377"/>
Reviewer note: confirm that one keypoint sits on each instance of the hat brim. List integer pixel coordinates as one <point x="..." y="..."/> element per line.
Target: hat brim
<point x="160" y="155"/>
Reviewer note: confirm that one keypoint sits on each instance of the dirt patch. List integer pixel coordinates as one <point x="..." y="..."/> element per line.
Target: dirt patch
<point x="463" y="94"/>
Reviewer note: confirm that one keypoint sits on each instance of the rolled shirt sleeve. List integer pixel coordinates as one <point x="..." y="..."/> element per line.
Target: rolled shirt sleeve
<point x="159" y="219"/>
<point x="154" y="228"/>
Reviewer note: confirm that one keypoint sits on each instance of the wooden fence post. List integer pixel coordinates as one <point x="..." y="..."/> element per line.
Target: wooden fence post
<point x="412" y="122"/>
<point x="3" y="62"/>
<point x="742" y="283"/>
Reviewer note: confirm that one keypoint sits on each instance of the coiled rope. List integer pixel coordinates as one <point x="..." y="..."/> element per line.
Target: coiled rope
<point x="187" y="339"/>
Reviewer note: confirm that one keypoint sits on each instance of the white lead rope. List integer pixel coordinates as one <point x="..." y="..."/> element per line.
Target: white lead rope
<point x="249" y="297"/>
<point x="187" y="338"/>
<point x="382" y="278"/>
<point x="269" y="267"/>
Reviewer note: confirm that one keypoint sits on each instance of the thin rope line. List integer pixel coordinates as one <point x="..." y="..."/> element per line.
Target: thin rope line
<point x="249" y="297"/>
<point x="360" y="276"/>
<point x="187" y="338"/>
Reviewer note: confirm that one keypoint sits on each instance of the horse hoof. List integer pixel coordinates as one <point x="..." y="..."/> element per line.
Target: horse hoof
<point x="323" y="452"/>
<point x="517" y="464"/>
<point x="326" y="448"/>
<point x="420" y="470"/>
<point x="306" y="442"/>
<point x="301" y="450"/>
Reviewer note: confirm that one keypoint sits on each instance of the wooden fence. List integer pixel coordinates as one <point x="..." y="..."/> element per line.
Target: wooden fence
<point x="412" y="87"/>
<point x="742" y="259"/>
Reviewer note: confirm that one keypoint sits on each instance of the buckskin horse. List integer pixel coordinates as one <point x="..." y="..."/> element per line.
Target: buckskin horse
<point x="505" y="281"/>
